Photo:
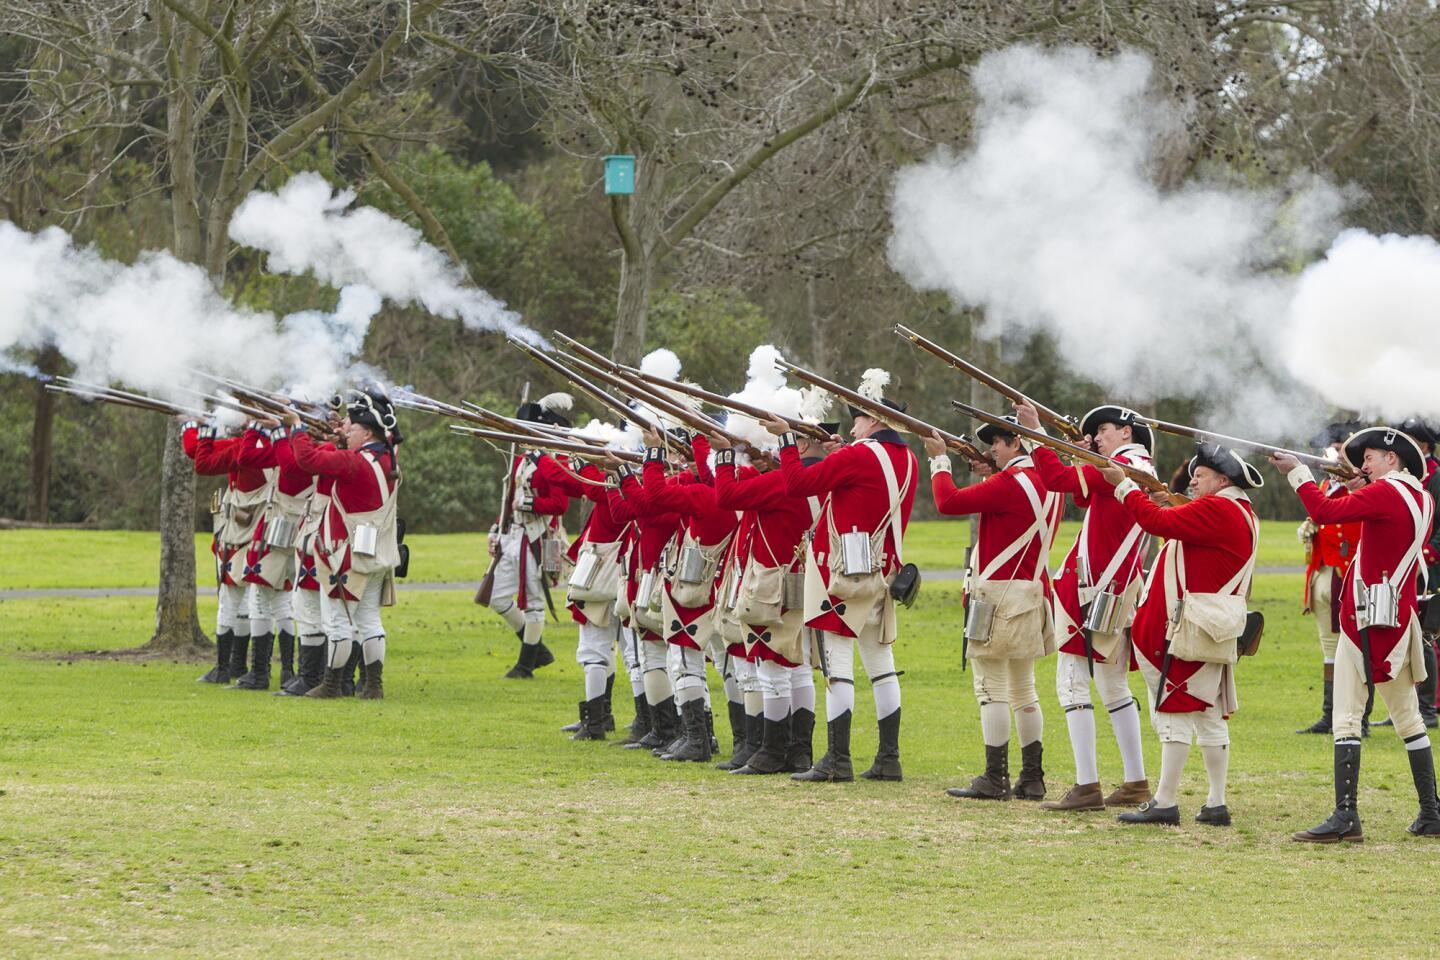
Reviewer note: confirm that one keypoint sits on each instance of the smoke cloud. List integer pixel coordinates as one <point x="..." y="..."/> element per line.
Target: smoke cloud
<point x="306" y="227"/>
<point x="153" y="323"/>
<point x="1051" y="222"/>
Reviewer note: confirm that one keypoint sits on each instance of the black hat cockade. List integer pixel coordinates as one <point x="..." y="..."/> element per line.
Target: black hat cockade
<point x="1140" y="431"/>
<point x="1388" y="439"/>
<point x="1226" y="462"/>
<point x="548" y="409"/>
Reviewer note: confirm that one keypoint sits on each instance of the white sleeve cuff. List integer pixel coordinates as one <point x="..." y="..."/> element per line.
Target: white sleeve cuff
<point x="1124" y="488"/>
<point x="1299" y="476"/>
<point x="940" y="464"/>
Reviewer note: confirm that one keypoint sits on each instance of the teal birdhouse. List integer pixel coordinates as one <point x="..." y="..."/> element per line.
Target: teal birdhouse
<point x="619" y="174"/>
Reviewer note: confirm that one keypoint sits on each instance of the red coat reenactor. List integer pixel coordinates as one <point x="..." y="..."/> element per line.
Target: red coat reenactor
<point x="1380" y="648"/>
<point x="239" y="513"/>
<point x="1007" y="578"/>
<point x="1206" y="564"/>
<point x="866" y="490"/>
<point x="1104" y="567"/>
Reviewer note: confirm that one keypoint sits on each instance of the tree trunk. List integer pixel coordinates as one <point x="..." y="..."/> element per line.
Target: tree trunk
<point x="633" y="305"/>
<point x="41" y="440"/>
<point x="177" y="627"/>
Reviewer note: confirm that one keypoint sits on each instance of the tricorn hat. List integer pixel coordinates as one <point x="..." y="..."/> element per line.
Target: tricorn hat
<point x="872" y="387"/>
<point x="989" y="431"/>
<point x="547" y="410"/>
<point x="372" y="408"/>
<point x="1121" y="417"/>
<point x="1419" y="430"/>
<point x="1336" y="432"/>
<point x="1390" y="439"/>
<point x="1225" y="461"/>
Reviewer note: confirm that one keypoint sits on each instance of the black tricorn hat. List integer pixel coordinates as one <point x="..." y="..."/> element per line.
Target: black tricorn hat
<point x="547" y="410"/>
<point x="370" y="407"/>
<point x="1225" y="461"/>
<point x="1390" y="439"/>
<point x="989" y="431"/>
<point x="1121" y="417"/>
<point x="1419" y="430"/>
<point x="1336" y="432"/>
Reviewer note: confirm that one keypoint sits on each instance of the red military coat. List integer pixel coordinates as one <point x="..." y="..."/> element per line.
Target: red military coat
<point x="600" y="526"/>
<point x="1219" y="543"/>
<point x="651" y="532"/>
<point x="1110" y="540"/>
<point x="216" y="457"/>
<point x="856" y="497"/>
<point x="1334" y="545"/>
<point x="1388" y="510"/>
<point x="1007" y="512"/>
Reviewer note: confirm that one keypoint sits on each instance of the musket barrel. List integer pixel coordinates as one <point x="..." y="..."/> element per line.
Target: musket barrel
<point x="1336" y="467"/>
<point x="547" y="443"/>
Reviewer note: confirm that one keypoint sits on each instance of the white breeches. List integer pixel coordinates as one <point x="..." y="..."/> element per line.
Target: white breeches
<point x="1072" y="680"/>
<point x="1207" y="727"/>
<point x="358" y="619"/>
<point x="512" y="564"/>
<point x="596" y="647"/>
<point x="305" y="608"/>
<point x="1006" y="681"/>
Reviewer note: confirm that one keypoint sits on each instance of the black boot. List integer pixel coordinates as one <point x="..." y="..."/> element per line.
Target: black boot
<point x="1425" y="689"/>
<point x="609" y="704"/>
<point x="1344" y="823"/>
<point x="887" y="758"/>
<point x="312" y="666"/>
<point x="579" y="723"/>
<point x="1031" y="783"/>
<point x="1327" y="710"/>
<point x="802" y="737"/>
<point x="774" y="748"/>
<point x="1422" y="770"/>
<point x="640" y="727"/>
<point x="331" y="685"/>
<point x="239" y="650"/>
<point x="835" y="766"/>
<point x="994" y="783"/>
<point x="524" y="667"/>
<point x="287" y="658"/>
<point x="374" y="688"/>
<point x="348" y="685"/>
<point x="664" y="724"/>
<point x="220" y="673"/>
<point x="543" y="656"/>
<point x="710" y="730"/>
<point x="258" y="678"/>
<point x="695" y="747"/>
<point x="592" y="720"/>
<point x="738" y="737"/>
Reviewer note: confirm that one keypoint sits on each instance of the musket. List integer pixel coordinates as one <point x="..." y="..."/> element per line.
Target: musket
<point x="272" y="403"/>
<point x="662" y="404"/>
<point x="606" y="400"/>
<point x="153" y="406"/>
<point x="960" y="443"/>
<point x="1146" y="480"/>
<point x="140" y="400"/>
<point x="698" y="392"/>
<point x="1059" y="421"/>
<point x="1338" y="468"/>
<point x="545" y="443"/>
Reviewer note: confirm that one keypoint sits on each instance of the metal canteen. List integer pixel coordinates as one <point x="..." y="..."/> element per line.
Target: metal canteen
<point x="979" y="620"/>
<point x="550" y="555"/>
<point x="1104" y="613"/>
<point x="792" y="590"/>
<point x="282" y="531"/>
<point x="692" y="565"/>
<point x="1382" y="605"/>
<point x="732" y="598"/>
<point x="364" y="540"/>
<point x="647" y="588"/>
<point x="586" y="567"/>
<point x="855" y="560"/>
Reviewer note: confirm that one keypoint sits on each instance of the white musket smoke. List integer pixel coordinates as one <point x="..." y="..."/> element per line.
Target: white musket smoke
<point x="1050" y="221"/>
<point x="150" y="324"/>
<point x="306" y="227"/>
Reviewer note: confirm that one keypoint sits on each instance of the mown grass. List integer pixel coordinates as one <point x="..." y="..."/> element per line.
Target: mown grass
<point x="143" y="814"/>
<point x="35" y="559"/>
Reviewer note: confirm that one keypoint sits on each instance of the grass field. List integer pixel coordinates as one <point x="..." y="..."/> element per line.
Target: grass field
<point x="123" y="558"/>
<point x="143" y="814"/>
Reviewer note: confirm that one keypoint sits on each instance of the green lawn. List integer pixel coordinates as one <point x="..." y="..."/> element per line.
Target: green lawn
<point x="143" y="814"/>
<point x="122" y="558"/>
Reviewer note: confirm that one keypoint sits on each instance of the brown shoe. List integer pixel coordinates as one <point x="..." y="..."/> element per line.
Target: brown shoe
<point x="1082" y="796"/>
<point x="1131" y="793"/>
